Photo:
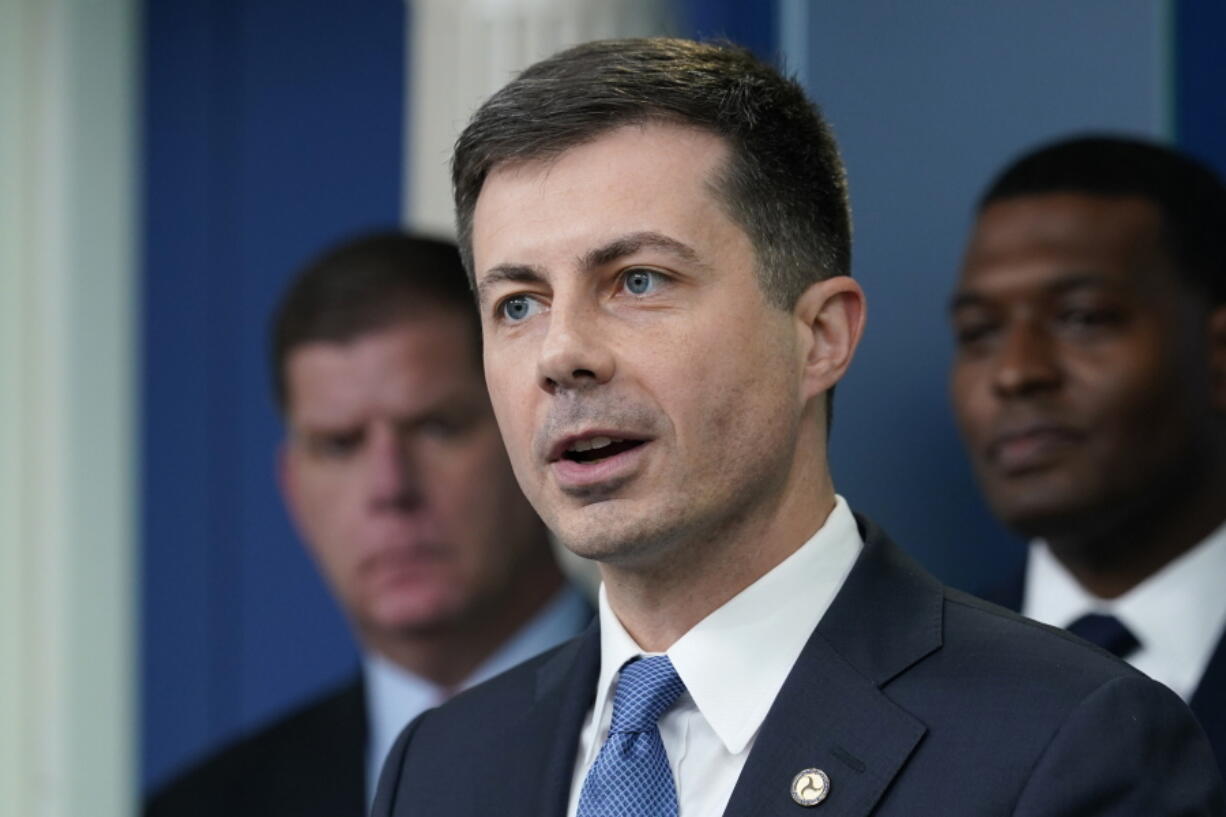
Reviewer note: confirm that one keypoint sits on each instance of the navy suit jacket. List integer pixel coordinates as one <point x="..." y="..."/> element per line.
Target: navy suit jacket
<point x="915" y="699"/>
<point x="1208" y="702"/>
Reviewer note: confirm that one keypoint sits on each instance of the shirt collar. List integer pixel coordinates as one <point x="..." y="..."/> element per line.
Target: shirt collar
<point x="1178" y="613"/>
<point x="735" y="660"/>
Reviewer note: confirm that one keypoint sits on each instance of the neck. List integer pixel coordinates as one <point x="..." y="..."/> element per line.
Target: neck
<point x="448" y="655"/>
<point x="659" y="603"/>
<point x="1118" y="553"/>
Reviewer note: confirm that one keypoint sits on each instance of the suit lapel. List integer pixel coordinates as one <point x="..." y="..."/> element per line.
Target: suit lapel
<point x="831" y="713"/>
<point x="538" y="773"/>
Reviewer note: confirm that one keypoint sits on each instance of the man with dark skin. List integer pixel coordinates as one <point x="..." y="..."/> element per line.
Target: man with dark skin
<point x="1090" y="385"/>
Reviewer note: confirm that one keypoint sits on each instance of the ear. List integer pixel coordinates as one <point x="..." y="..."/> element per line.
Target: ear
<point x="1217" y="357"/>
<point x="830" y="319"/>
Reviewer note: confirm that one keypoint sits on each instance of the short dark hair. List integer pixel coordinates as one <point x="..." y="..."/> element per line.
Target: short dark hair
<point x="363" y="285"/>
<point x="1188" y="195"/>
<point x="784" y="184"/>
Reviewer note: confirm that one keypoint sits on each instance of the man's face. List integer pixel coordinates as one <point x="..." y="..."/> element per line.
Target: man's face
<point x="647" y="392"/>
<point x="398" y="481"/>
<point x="1080" y="377"/>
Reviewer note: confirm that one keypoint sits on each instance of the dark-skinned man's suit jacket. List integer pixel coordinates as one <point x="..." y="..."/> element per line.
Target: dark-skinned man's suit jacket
<point x="913" y="698"/>
<point x="311" y="763"/>
<point x="1208" y="702"/>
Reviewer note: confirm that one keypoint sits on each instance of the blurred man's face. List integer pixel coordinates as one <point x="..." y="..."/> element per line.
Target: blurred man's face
<point x="1080" y="380"/>
<point x="648" y="394"/>
<point x="398" y="480"/>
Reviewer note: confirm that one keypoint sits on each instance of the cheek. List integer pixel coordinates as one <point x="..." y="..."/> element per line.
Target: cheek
<point x="513" y="415"/>
<point x="475" y="485"/>
<point x="1132" y="392"/>
<point x="733" y="399"/>
<point x="969" y="387"/>
<point x="320" y="501"/>
<point x="1138" y="402"/>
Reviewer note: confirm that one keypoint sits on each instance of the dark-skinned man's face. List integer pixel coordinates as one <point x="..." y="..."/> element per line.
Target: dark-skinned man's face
<point x="1080" y="380"/>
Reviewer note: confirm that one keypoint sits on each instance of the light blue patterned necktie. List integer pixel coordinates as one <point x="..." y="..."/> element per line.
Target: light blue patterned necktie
<point x="630" y="777"/>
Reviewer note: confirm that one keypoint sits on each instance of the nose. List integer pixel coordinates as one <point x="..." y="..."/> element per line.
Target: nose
<point x="575" y="353"/>
<point x="1027" y="362"/>
<point x="393" y="476"/>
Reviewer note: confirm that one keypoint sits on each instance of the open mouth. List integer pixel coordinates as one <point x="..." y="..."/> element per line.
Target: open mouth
<point x="595" y="449"/>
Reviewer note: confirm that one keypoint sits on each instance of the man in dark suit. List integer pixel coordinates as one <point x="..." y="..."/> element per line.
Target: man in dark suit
<point x="397" y="479"/>
<point x="659" y="237"/>
<point x="1090" y="385"/>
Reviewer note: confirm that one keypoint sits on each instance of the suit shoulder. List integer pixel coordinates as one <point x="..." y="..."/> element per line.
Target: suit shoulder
<point x="495" y="694"/>
<point x="971" y="621"/>
<point x="490" y="708"/>
<point x="1000" y="661"/>
<point x="233" y="777"/>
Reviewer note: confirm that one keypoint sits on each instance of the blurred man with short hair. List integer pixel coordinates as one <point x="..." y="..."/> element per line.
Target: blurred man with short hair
<point x="396" y="477"/>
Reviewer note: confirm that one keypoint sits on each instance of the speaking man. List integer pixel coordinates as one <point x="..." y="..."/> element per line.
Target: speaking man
<point x="1090" y="385"/>
<point x="659" y="238"/>
<point x="397" y="479"/>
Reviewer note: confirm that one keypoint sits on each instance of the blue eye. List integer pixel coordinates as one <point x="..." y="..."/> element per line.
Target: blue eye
<point x="641" y="281"/>
<point x="518" y="308"/>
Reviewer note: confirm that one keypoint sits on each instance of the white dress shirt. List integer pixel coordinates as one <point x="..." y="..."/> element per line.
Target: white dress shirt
<point x="733" y="664"/>
<point x="1178" y="614"/>
<point x="395" y="696"/>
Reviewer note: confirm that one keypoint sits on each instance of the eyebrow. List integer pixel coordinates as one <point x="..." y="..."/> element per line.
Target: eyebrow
<point x="634" y="242"/>
<point x="608" y="253"/>
<point x="1061" y="285"/>
<point x="502" y="273"/>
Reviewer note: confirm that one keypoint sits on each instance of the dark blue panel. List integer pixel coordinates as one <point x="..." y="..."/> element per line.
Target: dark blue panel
<point x="751" y="24"/>
<point x="929" y="101"/>
<point x="271" y="129"/>
<point x="175" y="464"/>
<point x="1200" y="79"/>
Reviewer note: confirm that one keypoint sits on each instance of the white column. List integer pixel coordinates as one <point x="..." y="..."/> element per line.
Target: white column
<point x="461" y="51"/>
<point x="67" y="460"/>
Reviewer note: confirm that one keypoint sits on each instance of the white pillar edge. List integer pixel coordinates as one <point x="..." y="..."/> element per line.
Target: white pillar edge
<point x="459" y="52"/>
<point x="68" y="555"/>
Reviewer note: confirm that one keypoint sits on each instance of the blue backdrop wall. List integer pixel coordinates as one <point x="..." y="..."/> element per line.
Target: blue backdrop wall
<point x="929" y="100"/>
<point x="271" y="128"/>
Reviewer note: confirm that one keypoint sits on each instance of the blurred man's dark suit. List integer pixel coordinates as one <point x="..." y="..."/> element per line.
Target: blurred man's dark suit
<point x="310" y="763"/>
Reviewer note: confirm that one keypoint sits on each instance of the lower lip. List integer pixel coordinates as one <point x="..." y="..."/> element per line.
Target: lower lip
<point x="584" y="476"/>
<point x="1033" y="451"/>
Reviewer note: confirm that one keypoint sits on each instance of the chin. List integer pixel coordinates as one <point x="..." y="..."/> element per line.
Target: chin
<point x="1044" y="516"/>
<point x="616" y="544"/>
<point x="418" y="616"/>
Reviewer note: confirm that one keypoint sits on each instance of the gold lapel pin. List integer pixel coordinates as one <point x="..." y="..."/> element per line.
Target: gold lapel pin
<point x="810" y="787"/>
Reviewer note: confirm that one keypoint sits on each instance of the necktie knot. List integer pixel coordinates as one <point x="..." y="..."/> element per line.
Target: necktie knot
<point x="1107" y="632"/>
<point x="646" y="688"/>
